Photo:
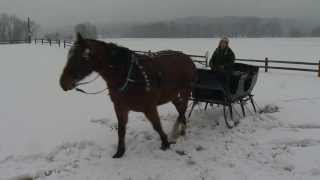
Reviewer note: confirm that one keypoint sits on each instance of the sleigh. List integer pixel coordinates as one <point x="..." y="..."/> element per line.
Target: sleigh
<point x="227" y="90"/>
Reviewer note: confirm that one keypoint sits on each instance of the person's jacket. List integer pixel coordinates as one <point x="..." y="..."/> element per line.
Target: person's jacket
<point x="222" y="58"/>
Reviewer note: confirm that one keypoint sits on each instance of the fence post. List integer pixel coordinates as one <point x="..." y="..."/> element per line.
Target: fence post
<point x="59" y="41"/>
<point x="42" y="41"/>
<point x="319" y="68"/>
<point x="266" y="65"/>
<point x="50" y="42"/>
<point x="64" y="43"/>
<point x="35" y="41"/>
<point x="29" y="30"/>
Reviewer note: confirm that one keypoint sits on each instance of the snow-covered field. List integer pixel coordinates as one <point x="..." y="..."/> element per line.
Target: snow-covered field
<point x="50" y="134"/>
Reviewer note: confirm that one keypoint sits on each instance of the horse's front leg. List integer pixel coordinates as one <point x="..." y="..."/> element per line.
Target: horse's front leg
<point x="122" y="116"/>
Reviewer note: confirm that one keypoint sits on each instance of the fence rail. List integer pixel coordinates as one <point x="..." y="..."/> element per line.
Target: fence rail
<point x="266" y="63"/>
<point x="60" y="43"/>
<point x="14" y="42"/>
<point x="204" y="59"/>
<point x="267" y="66"/>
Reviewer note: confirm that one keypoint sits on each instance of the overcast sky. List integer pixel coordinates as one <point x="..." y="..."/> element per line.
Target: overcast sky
<point x="57" y="12"/>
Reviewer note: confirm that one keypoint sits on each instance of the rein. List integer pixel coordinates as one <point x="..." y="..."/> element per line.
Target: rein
<point x="88" y="82"/>
<point x="91" y="93"/>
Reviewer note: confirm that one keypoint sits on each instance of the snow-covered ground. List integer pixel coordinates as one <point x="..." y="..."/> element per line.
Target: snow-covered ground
<point x="50" y="134"/>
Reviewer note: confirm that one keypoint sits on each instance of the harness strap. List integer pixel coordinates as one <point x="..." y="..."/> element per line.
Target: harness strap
<point x="129" y="79"/>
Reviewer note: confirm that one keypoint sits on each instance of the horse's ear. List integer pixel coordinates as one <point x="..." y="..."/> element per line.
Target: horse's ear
<point x="79" y="37"/>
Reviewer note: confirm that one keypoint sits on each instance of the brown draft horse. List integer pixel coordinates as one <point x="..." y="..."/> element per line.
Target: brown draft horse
<point x="136" y="82"/>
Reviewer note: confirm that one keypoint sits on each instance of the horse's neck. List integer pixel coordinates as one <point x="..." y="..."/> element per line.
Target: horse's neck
<point x="114" y="78"/>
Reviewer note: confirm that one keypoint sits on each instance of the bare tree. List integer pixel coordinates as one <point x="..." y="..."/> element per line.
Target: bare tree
<point x="13" y="28"/>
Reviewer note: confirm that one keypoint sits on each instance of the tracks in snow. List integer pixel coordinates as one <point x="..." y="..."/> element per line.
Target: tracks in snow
<point x="208" y="150"/>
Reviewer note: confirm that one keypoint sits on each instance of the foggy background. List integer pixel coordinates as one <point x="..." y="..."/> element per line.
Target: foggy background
<point x="124" y="18"/>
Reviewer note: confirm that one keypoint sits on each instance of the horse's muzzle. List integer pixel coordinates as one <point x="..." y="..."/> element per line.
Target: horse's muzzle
<point x="67" y="83"/>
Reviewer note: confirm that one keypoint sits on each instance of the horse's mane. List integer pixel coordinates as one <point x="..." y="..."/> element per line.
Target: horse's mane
<point x="120" y="49"/>
<point x="118" y="54"/>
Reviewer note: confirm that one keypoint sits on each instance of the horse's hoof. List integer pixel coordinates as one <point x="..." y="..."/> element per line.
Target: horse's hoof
<point x="217" y="123"/>
<point x="236" y="123"/>
<point x="165" y="146"/>
<point x="118" y="155"/>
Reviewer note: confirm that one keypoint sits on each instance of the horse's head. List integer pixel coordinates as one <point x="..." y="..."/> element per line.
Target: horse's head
<point x="79" y="64"/>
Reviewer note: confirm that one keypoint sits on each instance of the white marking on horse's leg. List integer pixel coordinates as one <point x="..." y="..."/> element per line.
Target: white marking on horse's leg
<point x="175" y="130"/>
<point x="183" y="128"/>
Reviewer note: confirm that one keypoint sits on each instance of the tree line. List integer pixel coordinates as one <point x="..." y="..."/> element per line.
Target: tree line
<point x="13" y="28"/>
<point x="194" y="27"/>
<point x="86" y="29"/>
<point x="214" y="27"/>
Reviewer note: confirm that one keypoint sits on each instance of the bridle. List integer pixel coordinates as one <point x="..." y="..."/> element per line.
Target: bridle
<point x="133" y="62"/>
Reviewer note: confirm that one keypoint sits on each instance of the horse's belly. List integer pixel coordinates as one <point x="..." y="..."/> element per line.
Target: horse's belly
<point x="140" y="102"/>
<point x="167" y="96"/>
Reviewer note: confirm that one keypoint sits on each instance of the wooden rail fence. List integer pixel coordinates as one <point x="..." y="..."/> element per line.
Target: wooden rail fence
<point x="59" y="43"/>
<point x="266" y="64"/>
<point x="14" y="42"/>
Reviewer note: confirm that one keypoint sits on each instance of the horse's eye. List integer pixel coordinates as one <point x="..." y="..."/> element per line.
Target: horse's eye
<point x="86" y="54"/>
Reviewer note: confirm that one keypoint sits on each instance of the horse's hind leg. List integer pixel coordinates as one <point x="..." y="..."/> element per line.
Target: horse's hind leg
<point x="153" y="117"/>
<point x="181" y="104"/>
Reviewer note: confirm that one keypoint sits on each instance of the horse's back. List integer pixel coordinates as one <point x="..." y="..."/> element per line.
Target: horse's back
<point x="176" y="68"/>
